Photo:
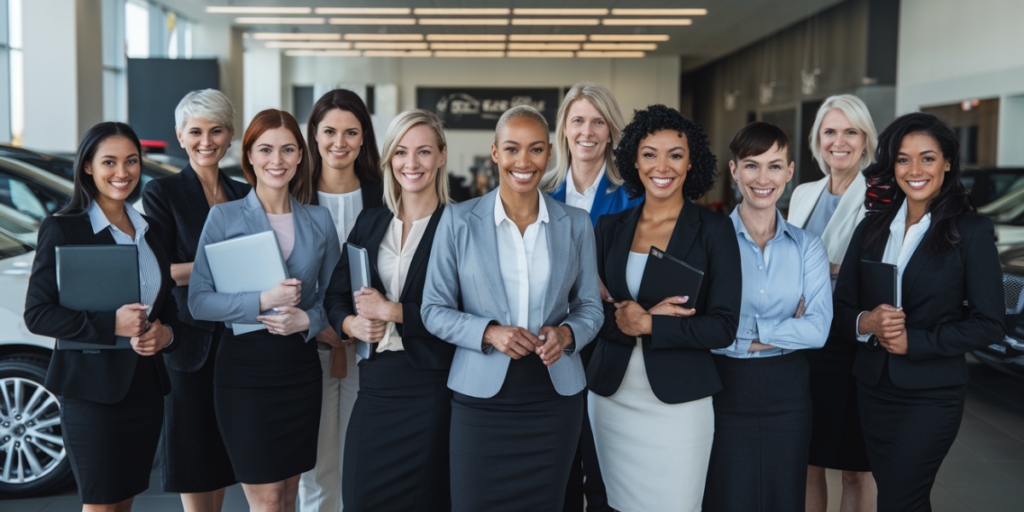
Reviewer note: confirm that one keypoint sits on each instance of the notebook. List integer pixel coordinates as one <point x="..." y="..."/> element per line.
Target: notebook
<point x="250" y="263"/>
<point x="667" y="276"/>
<point x="877" y="284"/>
<point x="97" y="278"/>
<point x="359" y="276"/>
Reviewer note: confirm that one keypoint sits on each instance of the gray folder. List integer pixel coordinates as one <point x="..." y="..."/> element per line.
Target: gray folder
<point x="251" y="263"/>
<point x="97" y="278"/>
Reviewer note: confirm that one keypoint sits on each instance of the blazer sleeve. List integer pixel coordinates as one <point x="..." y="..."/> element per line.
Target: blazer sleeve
<point x="204" y="302"/>
<point x="43" y="314"/>
<point x="846" y="297"/>
<point x="983" y="281"/>
<point x="332" y="254"/>
<point x="441" y="294"/>
<point x="609" y="328"/>
<point x="156" y="204"/>
<point x="168" y="313"/>
<point x="586" y="314"/>
<point x="338" y="298"/>
<point x="716" y="327"/>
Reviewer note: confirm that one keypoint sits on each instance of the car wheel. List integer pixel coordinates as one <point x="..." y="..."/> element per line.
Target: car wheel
<point x="32" y="454"/>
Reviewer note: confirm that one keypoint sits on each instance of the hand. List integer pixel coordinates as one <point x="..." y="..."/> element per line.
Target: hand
<point x="605" y="296"/>
<point x="153" y="340"/>
<point x="287" y="292"/>
<point x="671" y="307"/>
<point x="895" y="345"/>
<point x="130" y="320"/>
<point x="632" y="319"/>
<point x="555" y="340"/>
<point x="512" y="341"/>
<point x="286" y="322"/>
<point x="364" y="329"/>
<point x="884" y="321"/>
<point x="331" y="338"/>
<point x="800" y="308"/>
<point x="371" y="304"/>
<point x="757" y="346"/>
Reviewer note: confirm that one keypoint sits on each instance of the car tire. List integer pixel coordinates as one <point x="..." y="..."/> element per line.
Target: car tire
<point x="30" y="429"/>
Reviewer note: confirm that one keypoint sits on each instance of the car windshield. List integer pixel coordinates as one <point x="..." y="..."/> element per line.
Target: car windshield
<point x="11" y="246"/>
<point x="1008" y="209"/>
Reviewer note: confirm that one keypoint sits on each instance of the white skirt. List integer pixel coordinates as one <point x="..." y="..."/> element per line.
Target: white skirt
<point x="654" y="456"/>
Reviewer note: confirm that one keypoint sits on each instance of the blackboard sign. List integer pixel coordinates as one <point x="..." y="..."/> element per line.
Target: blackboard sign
<point x="479" y="108"/>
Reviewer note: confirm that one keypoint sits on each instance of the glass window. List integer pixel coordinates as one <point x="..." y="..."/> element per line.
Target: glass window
<point x="28" y="198"/>
<point x="17" y="70"/>
<point x="11" y="247"/>
<point x="136" y="21"/>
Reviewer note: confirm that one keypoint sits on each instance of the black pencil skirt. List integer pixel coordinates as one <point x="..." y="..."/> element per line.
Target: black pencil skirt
<point x="111" y="446"/>
<point x="512" y="452"/>
<point x="396" y="448"/>
<point x="762" y="435"/>
<point x="267" y="394"/>
<point x="837" y="440"/>
<point x="193" y="453"/>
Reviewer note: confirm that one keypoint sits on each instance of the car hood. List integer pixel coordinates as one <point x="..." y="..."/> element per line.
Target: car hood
<point x="14" y="274"/>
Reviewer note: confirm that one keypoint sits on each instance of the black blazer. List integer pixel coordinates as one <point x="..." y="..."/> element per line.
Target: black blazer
<point x="103" y="377"/>
<point x="178" y="204"/>
<point x="677" y="355"/>
<point x="935" y="287"/>
<point x="424" y="350"/>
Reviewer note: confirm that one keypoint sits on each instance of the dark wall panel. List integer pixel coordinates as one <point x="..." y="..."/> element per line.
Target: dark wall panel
<point x="155" y="86"/>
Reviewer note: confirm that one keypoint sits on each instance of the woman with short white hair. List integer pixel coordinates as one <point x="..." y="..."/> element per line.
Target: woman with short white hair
<point x="195" y="462"/>
<point x="843" y="141"/>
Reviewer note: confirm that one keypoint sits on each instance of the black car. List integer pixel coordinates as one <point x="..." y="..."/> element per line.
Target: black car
<point x="1008" y="355"/>
<point x="988" y="184"/>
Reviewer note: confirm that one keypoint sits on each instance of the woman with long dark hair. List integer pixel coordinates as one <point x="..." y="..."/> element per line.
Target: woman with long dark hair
<point x="910" y="368"/>
<point x="113" y="403"/>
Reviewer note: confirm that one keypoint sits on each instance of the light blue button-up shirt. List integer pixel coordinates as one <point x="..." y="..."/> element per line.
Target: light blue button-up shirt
<point x="794" y="264"/>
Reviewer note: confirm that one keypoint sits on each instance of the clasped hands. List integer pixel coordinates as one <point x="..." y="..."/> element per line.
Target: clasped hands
<point x="147" y="338"/>
<point x="887" y="324"/>
<point x="284" y="297"/>
<point x="373" y="312"/>
<point x="517" y="342"/>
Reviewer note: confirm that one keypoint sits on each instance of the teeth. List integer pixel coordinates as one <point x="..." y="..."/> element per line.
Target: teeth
<point x="276" y="174"/>
<point x="120" y="184"/>
<point x="339" y="155"/>
<point x="662" y="181"/>
<point x="207" y="152"/>
<point x="412" y="176"/>
<point x="587" y="144"/>
<point x="916" y="184"/>
<point x="762" y="191"/>
<point x="522" y="175"/>
<point x="840" y="153"/>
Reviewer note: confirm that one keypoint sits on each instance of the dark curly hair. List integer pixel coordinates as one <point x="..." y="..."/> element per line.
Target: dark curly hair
<point x="704" y="166"/>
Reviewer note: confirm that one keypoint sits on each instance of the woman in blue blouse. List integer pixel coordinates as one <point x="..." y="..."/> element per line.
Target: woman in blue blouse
<point x="763" y="413"/>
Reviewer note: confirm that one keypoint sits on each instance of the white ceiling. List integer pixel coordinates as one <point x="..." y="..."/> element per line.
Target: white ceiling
<point x="728" y="26"/>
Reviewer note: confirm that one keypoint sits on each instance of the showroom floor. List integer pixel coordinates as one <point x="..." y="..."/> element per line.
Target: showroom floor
<point x="984" y="471"/>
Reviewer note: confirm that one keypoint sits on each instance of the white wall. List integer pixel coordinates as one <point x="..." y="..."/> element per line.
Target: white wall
<point x="263" y="84"/>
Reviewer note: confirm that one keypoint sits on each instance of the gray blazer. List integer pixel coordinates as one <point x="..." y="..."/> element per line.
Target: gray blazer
<point x="464" y="293"/>
<point x="312" y="261"/>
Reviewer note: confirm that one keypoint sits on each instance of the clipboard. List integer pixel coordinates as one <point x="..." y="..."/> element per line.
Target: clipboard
<point x="97" y="278"/>
<point x="667" y="276"/>
<point x="250" y="263"/>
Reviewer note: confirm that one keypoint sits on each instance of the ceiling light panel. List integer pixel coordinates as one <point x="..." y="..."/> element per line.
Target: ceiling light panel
<point x="391" y="53"/>
<point x="555" y="21"/>
<point x="279" y="21"/>
<point x="390" y="46"/>
<point x="543" y="46"/>
<point x="540" y="54"/>
<point x="467" y="46"/>
<point x="659" y="12"/>
<point x="593" y="54"/>
<point x="460" y="12"/>
<point x="466" y="37"/>
<point x="628" y="38"/>
<point x="620" y="46"/>
<point x="660" y="22"/>
<point x="327" y="53"/>
<point x="373" y="21"/>
<point x="365" y="11"/>
<point x="560" y="12"/>
<point x="459" y="53"/>
<point x="309" y="45"/>
<point x="464" y="21"/>
<point x="383" y="37"/>
<point x="258" y="10"/>
<point x="548" y="37"/>
<point x="291" y="36"/>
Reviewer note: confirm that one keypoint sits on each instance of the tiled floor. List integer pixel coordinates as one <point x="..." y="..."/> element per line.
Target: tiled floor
<point x="984" y="471"/>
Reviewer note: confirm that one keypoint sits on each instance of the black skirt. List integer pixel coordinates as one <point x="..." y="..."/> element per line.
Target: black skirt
<point x="111" y="446"/>
<point x="837" y="440"/>
<point x="512" y="452"/>
<point x="396" y="448"/>
<point x="193" y="453"/>
<point x="762" y="434"/>
<point x="267" y="392"/>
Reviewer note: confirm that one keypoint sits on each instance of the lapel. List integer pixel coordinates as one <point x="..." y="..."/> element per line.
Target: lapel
<point x="559" y="193"/>
<point x="800" y="211"/>
<point x="372" y="193"/>
<point x="255" y="218"/>
<point x="687" y="226"/>
<point x="422" y="251"/>
<point x="625" y="229"/>
<point x="605" y="193"/>
<point x="380" y="227"/>
<point x="234" y="190"/>
<point x="197" y="206"/>
<point x="305" y="241"/>
<point x="849" y="205"/>
<point x="481" y="221"/>
<point x="559" y="234"/>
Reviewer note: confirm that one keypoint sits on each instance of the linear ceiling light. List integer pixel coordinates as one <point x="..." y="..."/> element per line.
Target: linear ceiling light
<point x="648" y="22"/>
<point x="659" y="12"/>
<point x="383" y="37"/>
<point x="547" y="37"/>
<point x="540" y="54"/>
<point x="279" y="21"/>
<point x="258" y="10"/>
<point x="466" y="37"/>
<point x="560" y="12"/>
<point x="463" y="21"/>
<point x="620" y="46"/>
<point x="391" y="53"/>
<point x="327" y="53"/>
<point x="373" y="21"/>
<point x="460" y="53"/>
<point x="309" y="45"/>
<point x="421" y="11"/>
<point x="467" y="46"/>
<point x="556" y="21"/>
<point x="291" y="36"/>
<point x="609" y="54"/>
<point x="629" y="37"/>
<point x="543" y="46"/>
<point x="391" y="46"/>
<point x="364" y="11"/>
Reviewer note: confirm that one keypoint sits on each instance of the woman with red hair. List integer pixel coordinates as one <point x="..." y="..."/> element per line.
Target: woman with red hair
<point x="267" y="388"/>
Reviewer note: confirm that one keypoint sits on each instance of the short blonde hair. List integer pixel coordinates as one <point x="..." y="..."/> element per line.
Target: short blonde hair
<point x="209" y="104"/>
<point x="602" y="99"/>
<point x="854" y="110"/>
<point x="399" y="126"/>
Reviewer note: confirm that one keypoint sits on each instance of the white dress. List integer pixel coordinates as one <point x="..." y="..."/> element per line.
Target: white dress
<point x="654" y="456"/>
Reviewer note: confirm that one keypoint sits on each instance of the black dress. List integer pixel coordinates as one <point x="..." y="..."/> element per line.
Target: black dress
<point x="192" y="451"/>
<point x="837" y="439"/>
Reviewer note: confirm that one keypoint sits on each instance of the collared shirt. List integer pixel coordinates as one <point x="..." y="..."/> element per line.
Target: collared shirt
<point x="899" y="249"/>
<point x="344" y="210"/>
<point x="772" y="287"/>
<point x="393" y="262"/>
<point x="586" y="199"/>
<point x="524" y="263"/>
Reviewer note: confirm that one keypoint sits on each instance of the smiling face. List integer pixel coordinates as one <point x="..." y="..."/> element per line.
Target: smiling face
<point x="663" y="159"/>
<point x="339" y="137"/>
<point x="920" y="168"/>
<point x="205" y="141"/>
<point x="115" y="168"/>
<point x="275" y="156"/>
<point x="417" y="159"/>
<point x="522" y="153"/>
<point x="587" y="132"/>
<point x="762" y="178"/>
<point x="842" y="144"/>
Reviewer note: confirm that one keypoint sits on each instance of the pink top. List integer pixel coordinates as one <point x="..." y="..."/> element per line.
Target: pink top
<point x="285" y="231"/>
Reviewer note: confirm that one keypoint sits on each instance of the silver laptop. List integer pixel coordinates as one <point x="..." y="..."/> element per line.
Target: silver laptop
<point x="251" y="263"/>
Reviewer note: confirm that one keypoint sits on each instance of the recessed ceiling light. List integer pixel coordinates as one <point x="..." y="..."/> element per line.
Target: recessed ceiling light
<point x="373" y="21"/>
<point x="560" y="12"/>
<point x="609" y="54"/>
<point x="383" y="37"/>
<point x="648" y="22"/>
<point x="543" y="46"/>
<point x="258" y="10"/>
<point x="466" y="37"/>
<point x="547" y="37"/>
<point x="459" y="12"/>
<point x="365" y="11"/>
<point x="391" y="46"/>
<point x="467" y="46"/>
<point x="391" y="53"/>
<point x="309" y="45"/>
<point x="291" y="36"/>
<point x="458" y="53"/>
<point x="463" y="21"/>
<point x="629" y="37"/>
<point x="555" y="21"/>
<point x="322" y="53"/>
<point x="540" y="54"/>
<point x="620" y="46"/>
<point x="279" y="21"/>
<point x="659" y="12"/>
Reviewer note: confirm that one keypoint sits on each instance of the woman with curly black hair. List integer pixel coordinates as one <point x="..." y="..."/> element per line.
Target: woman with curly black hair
<point x="652" y="374"/>
<point x="910" y="367"/>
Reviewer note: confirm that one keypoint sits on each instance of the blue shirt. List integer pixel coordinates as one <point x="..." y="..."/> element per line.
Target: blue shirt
<point x="610" y="198"/>
<point x="794" y="264"/>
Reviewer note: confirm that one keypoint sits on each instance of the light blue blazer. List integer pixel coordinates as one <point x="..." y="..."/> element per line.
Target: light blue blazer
<point x="464" y="293"/>
<point x="610" y="198"/>
<point x="312" y="261"/>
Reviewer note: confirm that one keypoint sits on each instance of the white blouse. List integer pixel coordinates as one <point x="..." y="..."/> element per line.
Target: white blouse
<point x="344" y="209"/>
<point x="586" y="199"/>
<point x="393" y="262"/>
<point x="525" y="267"/>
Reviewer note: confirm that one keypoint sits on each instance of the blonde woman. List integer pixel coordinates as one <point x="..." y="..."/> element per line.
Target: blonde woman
<point x="396" y="448"/>
<point x="843" y="141"/>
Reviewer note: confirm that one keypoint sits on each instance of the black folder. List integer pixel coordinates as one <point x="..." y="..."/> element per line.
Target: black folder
<point x="666" y="276"/>
<point x="877" y="284"/>
<point x="97" y="278"/>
